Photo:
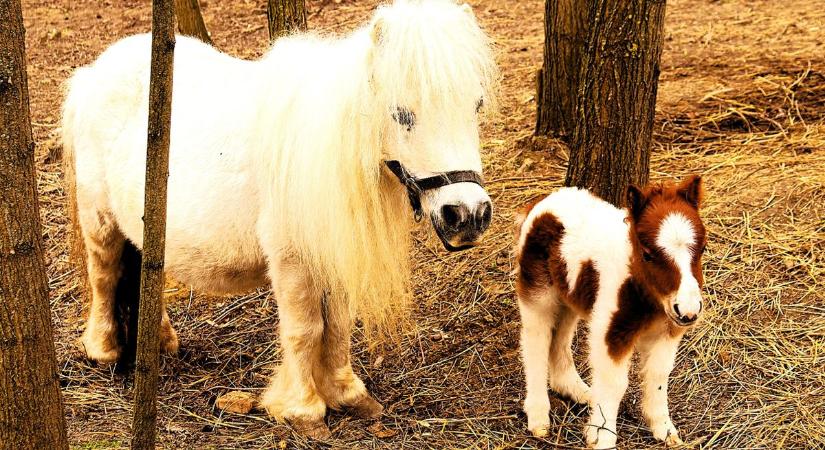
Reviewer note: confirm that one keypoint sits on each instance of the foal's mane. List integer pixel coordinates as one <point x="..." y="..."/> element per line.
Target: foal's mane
<point x="338" y="211"/>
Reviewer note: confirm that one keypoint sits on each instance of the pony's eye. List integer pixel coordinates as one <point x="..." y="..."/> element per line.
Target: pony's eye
<point x="479" y="104"/>
<point x="647" y="256"/>
<point x="404" y="117"/>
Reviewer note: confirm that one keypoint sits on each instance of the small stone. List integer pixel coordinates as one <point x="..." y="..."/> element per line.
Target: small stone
<point x="527" y="165"/>
<point x="236" y="402"/>
<point x="380" y="431"/>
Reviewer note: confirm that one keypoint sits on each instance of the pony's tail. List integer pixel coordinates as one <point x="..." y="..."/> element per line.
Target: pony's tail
<point x="77" y="248"/>
<point x="127" y="293"/>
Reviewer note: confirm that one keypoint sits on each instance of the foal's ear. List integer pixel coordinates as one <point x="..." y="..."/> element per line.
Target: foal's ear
<point x="692" y="190"/>
<point x="635" y="201"/>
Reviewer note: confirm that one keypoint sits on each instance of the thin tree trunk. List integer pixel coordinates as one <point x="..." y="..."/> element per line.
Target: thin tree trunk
<point x="565" y="33"/>
<point x="610" y="146"/>
<point x="31" y="408"/>
<point x="285" y="16"/>
<point x="154" y="225"/>
<point x="190" y="20"/>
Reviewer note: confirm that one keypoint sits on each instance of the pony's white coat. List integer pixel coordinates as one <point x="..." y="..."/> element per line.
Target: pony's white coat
<point x="278" y="152"/>
<point x="281" y="158"/>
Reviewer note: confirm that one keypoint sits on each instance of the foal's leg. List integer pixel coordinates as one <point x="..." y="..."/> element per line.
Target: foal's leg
<point x="657" y="356"/>
<point x="104" y="245"/>
<point x="608" y="387"/>
<point x="537" y="319"/>
<point x="339" y="385"/>
<point x="564" y="378"/>
<point x="292" y="394"/>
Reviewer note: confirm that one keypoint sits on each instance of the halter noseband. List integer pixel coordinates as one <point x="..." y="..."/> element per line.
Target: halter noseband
<point x="417" y="186"/>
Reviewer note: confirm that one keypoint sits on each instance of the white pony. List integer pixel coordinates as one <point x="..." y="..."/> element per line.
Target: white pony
<point x="286" y="170"/>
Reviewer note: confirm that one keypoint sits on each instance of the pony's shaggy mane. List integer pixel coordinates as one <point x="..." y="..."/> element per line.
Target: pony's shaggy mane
<point x="345" y="216"/>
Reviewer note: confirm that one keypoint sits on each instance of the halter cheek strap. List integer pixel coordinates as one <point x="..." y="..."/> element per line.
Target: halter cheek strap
<point x="417" y="186"/>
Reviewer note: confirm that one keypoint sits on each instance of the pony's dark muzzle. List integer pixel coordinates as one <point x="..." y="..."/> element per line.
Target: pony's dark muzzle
<point x="460" y="226"/>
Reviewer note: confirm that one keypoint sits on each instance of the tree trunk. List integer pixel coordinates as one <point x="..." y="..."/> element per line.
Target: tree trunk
<point x="154" y="225"/>
<point x="31" y="408"/>
<point x="565" y="33"/>
<point x="190" y="20"/>
<point x="610" y="146"/>
<point x="285" y="16"/>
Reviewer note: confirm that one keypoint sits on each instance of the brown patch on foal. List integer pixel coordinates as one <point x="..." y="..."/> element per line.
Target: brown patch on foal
<point x="584" y="292"/>
<point x="540" y="264"/>
<point x="637" y="311"/>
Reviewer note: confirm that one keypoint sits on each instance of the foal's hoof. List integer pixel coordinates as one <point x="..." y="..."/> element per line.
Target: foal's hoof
<point x="540" y="431"/>
<point x="311" y="428"/>
<point x="367" y="408"/>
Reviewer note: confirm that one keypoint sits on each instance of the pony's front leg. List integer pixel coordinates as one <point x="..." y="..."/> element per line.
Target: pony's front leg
<point x="657" y="356"/>
<point x="292" y="394"/>
<point x="607" y="389"/>
<point x="339" y="385"/>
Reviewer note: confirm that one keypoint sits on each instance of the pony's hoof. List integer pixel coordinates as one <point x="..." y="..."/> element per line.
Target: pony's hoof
<point x="169" y="341"/>
<point x="311" y="428"/>
<point x="540" y="431"/>
<point x="100" y="350"/>
<point x="673" y="440"/>
<point x="367" y="407"/>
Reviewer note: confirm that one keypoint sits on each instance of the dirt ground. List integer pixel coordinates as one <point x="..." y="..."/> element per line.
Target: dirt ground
<point x="741" y="101"/>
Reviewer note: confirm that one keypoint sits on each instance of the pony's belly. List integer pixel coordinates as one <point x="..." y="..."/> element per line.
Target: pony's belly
<point x="217" y="275"/>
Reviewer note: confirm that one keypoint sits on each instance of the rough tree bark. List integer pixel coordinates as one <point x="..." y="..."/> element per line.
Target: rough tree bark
<point x="190" y="20"/>
<point x="154" y="225"/>
<point x="610" y="146"/>
<point x="31" y="408"/>
<point x="285" y="16"/>
<point x="565" y="33"/>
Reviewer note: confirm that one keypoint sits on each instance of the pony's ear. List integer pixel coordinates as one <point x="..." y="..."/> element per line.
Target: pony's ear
<point x="635" y="199"/>
<point x="692" y="190"/>
<point x="378" y="28"/>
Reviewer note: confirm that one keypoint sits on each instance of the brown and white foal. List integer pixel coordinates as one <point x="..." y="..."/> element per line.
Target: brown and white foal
<point x="635" y="273"/>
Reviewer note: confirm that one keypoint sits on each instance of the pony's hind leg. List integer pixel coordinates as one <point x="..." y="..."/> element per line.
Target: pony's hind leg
<point x="292" y="394"/>
<point x="537" y="310"/>
<point x="113" y="267"/>
<point x="339" y="385"/>
<point x="104" y="245"/>
<point x="564" y="378"/>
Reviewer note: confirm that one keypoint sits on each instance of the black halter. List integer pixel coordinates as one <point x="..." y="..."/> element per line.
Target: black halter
<point x="417" y="186"/>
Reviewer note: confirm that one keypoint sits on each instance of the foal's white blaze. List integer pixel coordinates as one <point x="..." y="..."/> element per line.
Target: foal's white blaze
<point x="678" y="239"/>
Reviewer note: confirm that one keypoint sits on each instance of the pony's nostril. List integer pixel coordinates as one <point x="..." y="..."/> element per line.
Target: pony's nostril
<point x="452" y="215"/>
<point x="676" y="310"/>
<point x="484" y="213"/>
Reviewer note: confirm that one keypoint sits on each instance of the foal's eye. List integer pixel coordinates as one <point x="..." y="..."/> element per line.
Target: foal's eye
<point x="404" y="117"/>
<point x="479" y="104"/>
<point x="647" y="256"/>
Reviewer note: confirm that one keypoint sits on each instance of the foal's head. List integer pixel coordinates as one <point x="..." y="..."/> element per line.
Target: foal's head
<point x="434" y="76"/>
<point x="668" y="240"/>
